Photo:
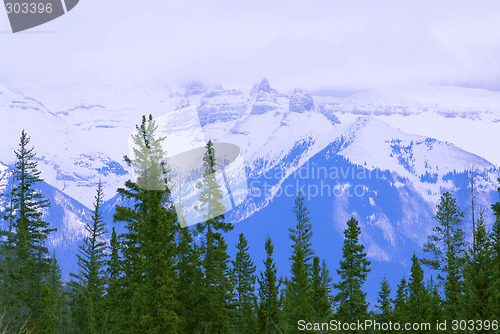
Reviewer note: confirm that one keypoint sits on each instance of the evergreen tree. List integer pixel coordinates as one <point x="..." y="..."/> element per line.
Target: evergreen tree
<point x="57" y="287"/>
<point x="478" y="274"/>
<point x="215" y="290"/>
<point x="417" y="297"/>
<point x="446" y="248"/>
<point x="298" y="293"/>
<point x="494" y="290"/>
<point x="400" y="310"/>
<point x="269" y="297"/>
<point x="244" y="279"/>
<point x="149" y="282"/>
<point x="321" y="290"/>
<point x="47" y="323"/>
<point x="113" y="291"/>
<point x="353" y="272"/>
<point x="384" y="303"/>
<point x="434" y="305"/>
<point x="25" y="256"/>
<point x="91" y="261"/>
<point x="189" y="273"/>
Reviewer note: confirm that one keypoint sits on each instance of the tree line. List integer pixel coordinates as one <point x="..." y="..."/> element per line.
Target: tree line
<point x="160" y="277"/>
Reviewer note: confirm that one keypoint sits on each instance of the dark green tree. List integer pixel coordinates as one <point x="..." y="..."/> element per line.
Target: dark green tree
<point x="47" y="323"/>
<point x="243" y="275"/>
<point x="434" y="305"/>
<point x="353" y="272"/>
<point x="446" y="247"/>
<point x="269" y="319"/>
<point x="478" y="274"/>
<point x="298" y="293"/>
<point x="91" y="261"/>
<point x="149" y="280"/>
<point x="417" y="294"/>
<point x="384" y="303"/>
<point x="113" y="289"/>
<point x="26" y="261"/>
<point x="494" y="290"/>
<point x="189" y="271"/>
<point x="216" y="288"/>
<point x="400" y="310"/>
<point x="321" y="290"/>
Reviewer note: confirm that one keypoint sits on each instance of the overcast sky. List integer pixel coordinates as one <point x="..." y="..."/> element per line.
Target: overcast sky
<point x="309" y="44"/>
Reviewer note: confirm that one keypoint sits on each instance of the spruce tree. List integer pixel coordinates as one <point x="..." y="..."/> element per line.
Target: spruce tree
<point x="478" y="274"/>
<point x="400" y="309"/>
<point x="91" y="261"/>
<point x="216" y="288"/>
<point x="446" y="248"/>
<point x="189" y="273"/>
<point x="434" y="305"/>
<point x="269" y="319"/>
<point x="298" y="293"/>
<point x="417" y="297"/>
<point x="384" y="303"/>
<point x="26" y="257"/>
<point x="321" y="291"/>
<point x="47" y="323"/>
<point x="353" y="272"/>
<point x="113" y="289"/>
<point x="149" y="282"/>
<point x="494" y="290"/>
<point x="243" y="274"/>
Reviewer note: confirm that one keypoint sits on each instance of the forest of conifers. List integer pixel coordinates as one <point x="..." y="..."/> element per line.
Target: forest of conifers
<point x="159" y="277"/>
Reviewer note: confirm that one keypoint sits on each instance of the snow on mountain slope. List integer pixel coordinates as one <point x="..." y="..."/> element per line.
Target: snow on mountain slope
<point x="81" y="134"/>
<point x="423" y="161"/>
<point x="464" y="116"/>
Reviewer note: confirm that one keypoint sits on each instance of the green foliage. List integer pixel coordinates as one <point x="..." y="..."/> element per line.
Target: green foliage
<point x="400" y="313"/>
<point x="244" y="282"/>
<point x="47" y="322"/>
<point x="321" y="284"/>
<point x="353" y="272"/>
<point x="216" y="289"/>
<point x="417" y="297"/>
<point x="478" y="274"/>
<point x="298" y="293"/>
<point x="24" y="256"/>
<point x="189" y="273"/>
<point x="90" y="284"/>
<point x="269" y="290"/>
<point x="384" y="302"/>
<point x="446" y="248"/>
<point x="113" y="291"/>
<point x="148" y="285"/>
<point x="494" y="290"/>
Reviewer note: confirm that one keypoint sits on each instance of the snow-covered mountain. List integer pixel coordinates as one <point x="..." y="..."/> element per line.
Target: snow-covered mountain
<point x="351" y="156"/>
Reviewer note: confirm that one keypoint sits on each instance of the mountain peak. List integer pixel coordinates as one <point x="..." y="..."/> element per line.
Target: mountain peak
<point x="301" y="101"/>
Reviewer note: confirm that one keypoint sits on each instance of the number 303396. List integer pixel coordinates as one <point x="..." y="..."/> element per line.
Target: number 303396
<point x="28" y="8"/>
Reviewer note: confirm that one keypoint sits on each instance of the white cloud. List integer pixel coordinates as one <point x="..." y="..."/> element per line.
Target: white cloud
<point x="311" y="44"/>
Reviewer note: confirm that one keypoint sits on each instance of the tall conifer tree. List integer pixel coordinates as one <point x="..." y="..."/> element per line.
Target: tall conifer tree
<point x="91" y="278"/>
<point x="446" y="247"/>
<point x="148" y="248"/>
<point x="353" y="272"/>
<point x="243" y="275"/>
<point x="26" y="257"/>
<point x="494" y="291"/>
<point x="298" y="293"/>
<point x="384" y="302"/>
<point x="269" y="320"/>
<point x="216" y="288"/>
